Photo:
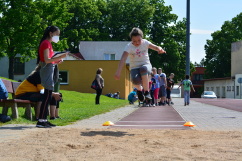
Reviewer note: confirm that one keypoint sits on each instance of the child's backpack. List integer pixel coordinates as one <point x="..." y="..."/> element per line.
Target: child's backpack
<point x="3" y="90"/>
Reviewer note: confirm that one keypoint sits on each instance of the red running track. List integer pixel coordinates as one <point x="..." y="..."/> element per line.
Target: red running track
<point x="159" y="117"/>
<point x="231" y="104"/>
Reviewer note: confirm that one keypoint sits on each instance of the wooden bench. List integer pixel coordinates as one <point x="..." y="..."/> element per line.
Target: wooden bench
<point x="15" y="103"/>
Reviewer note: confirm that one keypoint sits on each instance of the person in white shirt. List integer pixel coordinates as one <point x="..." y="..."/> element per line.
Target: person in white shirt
<point x="140" y="66"/>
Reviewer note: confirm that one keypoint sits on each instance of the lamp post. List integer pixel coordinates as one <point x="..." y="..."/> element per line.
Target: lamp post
<point x="188" y="39"/>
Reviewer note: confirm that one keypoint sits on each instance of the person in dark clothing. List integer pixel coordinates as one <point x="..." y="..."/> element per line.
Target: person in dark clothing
<point x="31" y="89"/>
<point x="170" y="84"/>
<point x="100" y="85"/>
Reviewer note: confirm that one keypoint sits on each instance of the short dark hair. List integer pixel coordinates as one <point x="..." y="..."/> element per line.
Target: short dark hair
<point x="99" y="70"/>
<point x="136" y="32"/>
<point x="187" y="76"/>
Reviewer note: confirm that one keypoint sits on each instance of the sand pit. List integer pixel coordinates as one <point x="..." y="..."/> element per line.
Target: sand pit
<point x="122" y="144"/>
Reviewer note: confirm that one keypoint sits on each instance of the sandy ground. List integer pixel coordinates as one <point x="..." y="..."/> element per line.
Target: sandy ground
<point x="122" y="144"/>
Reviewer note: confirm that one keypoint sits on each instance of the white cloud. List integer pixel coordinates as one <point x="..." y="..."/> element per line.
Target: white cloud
<point x="201" y="32"/>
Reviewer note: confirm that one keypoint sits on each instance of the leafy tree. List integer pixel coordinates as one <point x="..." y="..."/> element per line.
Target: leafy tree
<point x="166" y="31"/>
<point x="83" y="25"/>
<point x="124" y="15"/>
<point x="22" y="25"/>
<point x="218" y="50"/>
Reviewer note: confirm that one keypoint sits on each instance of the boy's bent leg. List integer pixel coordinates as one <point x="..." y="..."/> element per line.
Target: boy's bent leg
<point x="144" y="72"/>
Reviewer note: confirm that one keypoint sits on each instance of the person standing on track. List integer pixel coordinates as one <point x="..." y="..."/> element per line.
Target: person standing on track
<point x="170" y="84"/>
<point x="163" y="84"/>
<point x="156" y="86"/>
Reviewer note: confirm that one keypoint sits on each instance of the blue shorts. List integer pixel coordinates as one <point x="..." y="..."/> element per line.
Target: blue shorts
<point x="162" y="92"/>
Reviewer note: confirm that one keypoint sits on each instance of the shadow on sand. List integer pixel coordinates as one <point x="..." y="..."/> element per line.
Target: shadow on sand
<point x="106" y="133"/>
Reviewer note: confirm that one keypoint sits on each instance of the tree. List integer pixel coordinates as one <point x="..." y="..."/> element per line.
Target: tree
<point x="83" y="25"/>
<point x="166" y="31"/>
<point x="218" y="50"/>
<point x="22" y="25"/>
<point x="123" y="15"/>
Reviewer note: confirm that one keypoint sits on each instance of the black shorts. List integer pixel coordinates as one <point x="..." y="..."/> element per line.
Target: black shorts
<point x="31" y="96"/>
<point x="168" y="93"/>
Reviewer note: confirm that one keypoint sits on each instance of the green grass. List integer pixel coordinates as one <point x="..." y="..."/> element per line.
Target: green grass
<point x="76" y="106"/>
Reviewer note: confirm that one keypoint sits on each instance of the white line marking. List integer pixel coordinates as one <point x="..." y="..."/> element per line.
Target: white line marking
<point x="151" y="121"/>
<point x="150" y="125"/>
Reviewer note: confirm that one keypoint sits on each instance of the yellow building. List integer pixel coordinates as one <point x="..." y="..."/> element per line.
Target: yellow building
<point x="79" y="74"/>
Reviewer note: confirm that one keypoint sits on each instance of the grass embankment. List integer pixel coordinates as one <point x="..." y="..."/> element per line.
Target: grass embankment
<point x="75" y="106"/>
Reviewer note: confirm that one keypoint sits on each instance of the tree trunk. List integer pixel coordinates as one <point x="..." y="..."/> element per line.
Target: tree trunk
<point x="11" y="68"/>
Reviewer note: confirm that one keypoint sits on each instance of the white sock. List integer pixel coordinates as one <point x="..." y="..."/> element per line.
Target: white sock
<point x="42" y="120"/>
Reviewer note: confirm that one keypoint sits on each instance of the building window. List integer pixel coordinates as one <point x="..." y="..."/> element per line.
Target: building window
<point x="198" y="77"/>
<point x="19" y="67"/>
<point x="228" y="88"/>
<point x="64" y="76"/>
<point x="109" y="56"/>
<point x="237" y="90"/>
<point x="212" y="89"/>
<point x="207" y="88"/>
<point x="218" y="91"/>
<point x="232" y="88"/>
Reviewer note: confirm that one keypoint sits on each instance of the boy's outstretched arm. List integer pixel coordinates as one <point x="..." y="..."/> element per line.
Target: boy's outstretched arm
<point x="193" y="88"/>
<point x="121" y="64"/>
<point x="157" y="48"/>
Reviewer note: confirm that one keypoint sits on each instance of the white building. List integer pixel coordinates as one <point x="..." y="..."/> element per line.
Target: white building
<point x="102" y="50"/>
<point x="229" y="87"/>
<point x="22" y="70"/>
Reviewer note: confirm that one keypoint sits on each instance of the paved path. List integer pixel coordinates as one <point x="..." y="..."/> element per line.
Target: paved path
<point x="209" y="117"/>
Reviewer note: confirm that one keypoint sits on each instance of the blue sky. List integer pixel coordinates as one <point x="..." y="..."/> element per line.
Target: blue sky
<point x="207" y="16"/>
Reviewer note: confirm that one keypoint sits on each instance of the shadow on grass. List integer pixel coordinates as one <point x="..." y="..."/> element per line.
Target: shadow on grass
<point x="106" y="133"/>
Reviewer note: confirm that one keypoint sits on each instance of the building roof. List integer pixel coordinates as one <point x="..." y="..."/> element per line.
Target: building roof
<point x="77" y="56"/>
<point x="225" y="78"/>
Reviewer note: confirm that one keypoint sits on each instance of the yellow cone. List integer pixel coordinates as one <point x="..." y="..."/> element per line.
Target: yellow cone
<point x="190" y="124"/>
<point x="108" y="123"/>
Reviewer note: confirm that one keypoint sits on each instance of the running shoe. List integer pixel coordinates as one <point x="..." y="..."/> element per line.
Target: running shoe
<point x="43" y="125"/>
<point x="147" y="95"/>
<point x="52" y="125"/>
<point x="140" y="96"/>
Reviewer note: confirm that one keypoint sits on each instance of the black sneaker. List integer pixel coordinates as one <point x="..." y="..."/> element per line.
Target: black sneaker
<point x="52" y="118"/>
<point x="172" y="103"/>
<point x="50" y="124"/>
<point x="140" y="96"/>
<point x="147" y="95"/>
<point x="43" y="125"/>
